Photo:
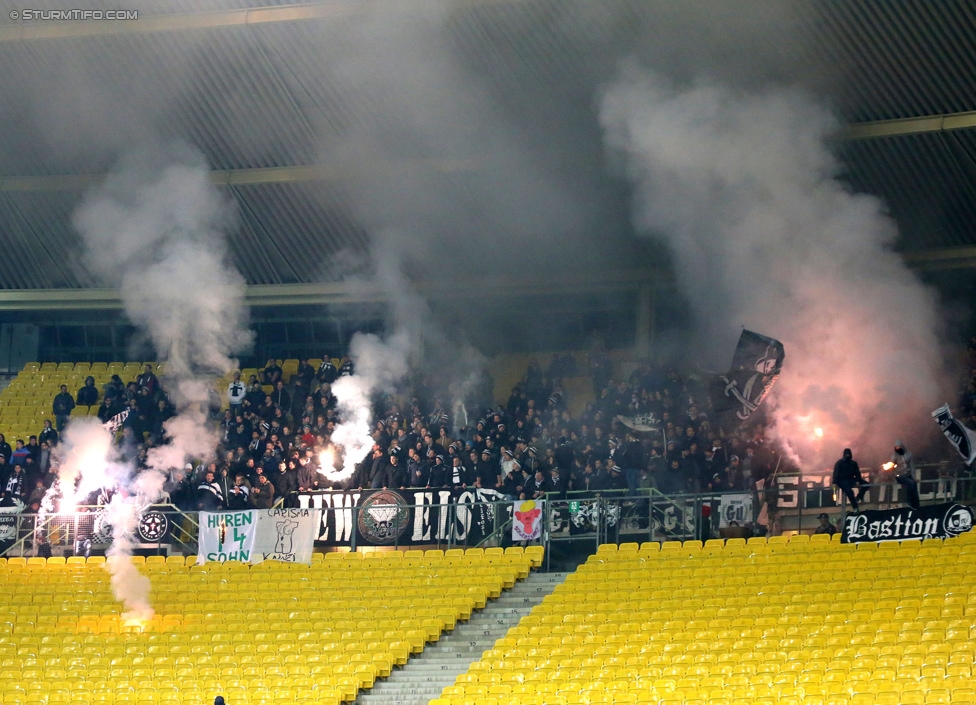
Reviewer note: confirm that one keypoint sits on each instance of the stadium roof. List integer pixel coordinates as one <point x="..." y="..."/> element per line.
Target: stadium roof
<point x="245" y="85"/>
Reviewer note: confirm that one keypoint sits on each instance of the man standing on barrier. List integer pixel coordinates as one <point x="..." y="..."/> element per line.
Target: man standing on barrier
<point x="903" y="464"/>
<point x="847" y="476"/>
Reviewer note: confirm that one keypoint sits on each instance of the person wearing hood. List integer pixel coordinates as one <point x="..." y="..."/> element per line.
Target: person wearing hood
<point x="905" y="473"/>
<point x="88" y="395"/>
<point x="847" y="476"/>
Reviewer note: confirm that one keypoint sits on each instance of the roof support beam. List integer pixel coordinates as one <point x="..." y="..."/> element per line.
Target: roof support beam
<point x="339" y="293"/>
<point x="941" y="259"/>
<point x="909" y="126"/>
<point x="252" y="177"/>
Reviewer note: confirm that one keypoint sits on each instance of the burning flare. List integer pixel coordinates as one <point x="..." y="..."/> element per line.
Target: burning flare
<point x="327" y="466"/>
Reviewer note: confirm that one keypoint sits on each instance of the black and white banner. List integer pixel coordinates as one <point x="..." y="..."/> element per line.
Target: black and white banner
<point x="939" y="521"/>
<point x="962" y="438"/>
<point x="115" y="423"/>
<point x="406" y="517"/>
<point x="756" y="365"/>
<point x="8" y="522"/>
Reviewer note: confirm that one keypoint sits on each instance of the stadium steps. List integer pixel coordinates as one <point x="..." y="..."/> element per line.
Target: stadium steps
<point x="424" y="677"/>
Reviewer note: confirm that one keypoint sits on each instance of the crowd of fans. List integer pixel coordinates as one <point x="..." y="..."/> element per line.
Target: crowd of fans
<point x="271" y="443"/>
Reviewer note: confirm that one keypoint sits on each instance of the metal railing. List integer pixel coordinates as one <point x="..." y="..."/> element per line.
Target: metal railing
<point x="575" y="521"/>
<point x="164" y="528"/>
<point x="789" y="505"/>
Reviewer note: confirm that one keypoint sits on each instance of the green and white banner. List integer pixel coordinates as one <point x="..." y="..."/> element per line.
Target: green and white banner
<point x="258" y="535"/>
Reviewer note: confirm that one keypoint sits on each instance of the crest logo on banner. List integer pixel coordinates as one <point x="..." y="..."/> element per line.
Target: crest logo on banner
<point x="153" y="526"/>
<point x="527" y="520"/>
<point x="406" y="517"/>
<point x="939" y="521"/>
<point x="258" y="535"/>
<point x="383" y="517"/>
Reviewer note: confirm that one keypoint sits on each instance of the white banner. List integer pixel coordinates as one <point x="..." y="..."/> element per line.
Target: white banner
<point x="527" y="520"/>
<point x="735" y="507"/>
<point x="258" y="535"/>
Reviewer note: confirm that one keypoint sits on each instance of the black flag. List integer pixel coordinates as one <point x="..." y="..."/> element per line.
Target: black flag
<point x="959" y="436"/>
<point x="755" y="366"/>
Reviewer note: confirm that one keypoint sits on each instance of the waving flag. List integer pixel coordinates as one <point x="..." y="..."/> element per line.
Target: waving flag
<point x="756" y="365"/>
<point x="959" y="436"/>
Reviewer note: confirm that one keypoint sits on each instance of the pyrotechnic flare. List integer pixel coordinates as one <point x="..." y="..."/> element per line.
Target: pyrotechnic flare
<point x="156" y="229"/>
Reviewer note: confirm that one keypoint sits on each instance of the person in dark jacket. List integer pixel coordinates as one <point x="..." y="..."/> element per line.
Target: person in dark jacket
<point x="109" y="408"/>
<point x="88" y="395"/>
<point x="397" y="472"/>
<point x="538" y="486"/>
<point x="327" y="373"/>
<point x="438" y="473"/>
<point x="148" y="380"/>
<point x="15" y="484"/>
<point x="209" y="497"/>
<point x="262" y="493"/>
<point x="825" y="527"/>
<point x="115" y="388"/>
<point x="271" y="372"/>
<point x="238" y="495"/>
<point x="309" y="478"/>
<point x="418" y="470"/>
<point x="285" y="481"/>
<point x="63" y="404"/>
<point x="254" y="398"/>
<point x="305" y="373"/>
<point x="847" y="476"/>
<point x="903" y="463"/>
<point x="48" y="434"/>
<point x="631" y="459"/>
<point x="458" y="474"/>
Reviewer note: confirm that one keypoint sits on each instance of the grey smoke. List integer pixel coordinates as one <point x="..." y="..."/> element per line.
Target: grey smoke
<point x="743" y="187"/>
<point x="157" y="230"/>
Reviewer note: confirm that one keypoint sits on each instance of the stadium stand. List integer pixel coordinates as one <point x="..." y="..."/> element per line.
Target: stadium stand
<point x="789" y="621"/>
<point x="271" y="633"/>
<point x="27" y="401"/>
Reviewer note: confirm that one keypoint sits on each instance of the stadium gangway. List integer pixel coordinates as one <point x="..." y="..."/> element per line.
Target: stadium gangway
<point x="162" y="528"/>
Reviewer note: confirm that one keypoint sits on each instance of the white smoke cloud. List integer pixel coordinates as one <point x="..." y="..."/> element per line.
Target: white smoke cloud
<point x="129" y="586"/>
<point x="744" y="188"/>
<point x="86" y="463"/>
<point x="379" y="363"/>
<point x="156" y="228"/>
<point x="384" y="362"/>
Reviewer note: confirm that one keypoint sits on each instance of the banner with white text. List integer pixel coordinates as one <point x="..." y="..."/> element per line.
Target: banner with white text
<point x="255" y="536"/>
<point x="406" y="517"/>
<point x="939" y="521"/>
